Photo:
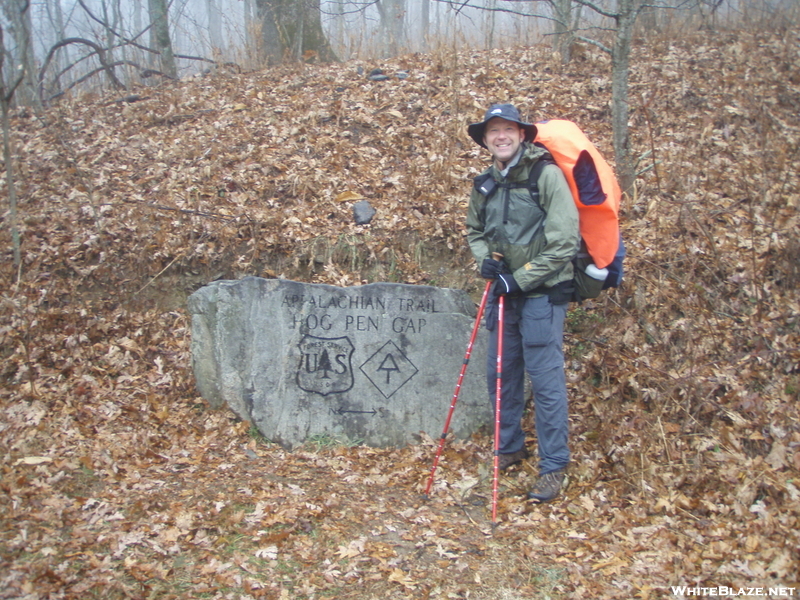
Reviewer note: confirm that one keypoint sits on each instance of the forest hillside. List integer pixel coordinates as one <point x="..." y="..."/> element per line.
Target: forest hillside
<point x="118" y="480"/>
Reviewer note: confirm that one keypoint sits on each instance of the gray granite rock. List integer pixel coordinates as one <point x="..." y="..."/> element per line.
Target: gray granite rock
<point x="376" y="363"/>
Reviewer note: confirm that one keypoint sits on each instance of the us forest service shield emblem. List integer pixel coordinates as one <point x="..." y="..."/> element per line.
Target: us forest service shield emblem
<point x="325" y="365"/>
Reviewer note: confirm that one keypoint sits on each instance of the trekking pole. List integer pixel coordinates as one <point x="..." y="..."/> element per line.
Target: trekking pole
<point x="499" y="387"/>
<point x="458" y="385"/>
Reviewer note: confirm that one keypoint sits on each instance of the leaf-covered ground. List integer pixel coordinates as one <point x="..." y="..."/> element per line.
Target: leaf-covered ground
<point x="118" y="481"/>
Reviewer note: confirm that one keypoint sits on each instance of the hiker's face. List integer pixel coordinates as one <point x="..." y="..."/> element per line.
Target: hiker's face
<point x="503" y="138"/>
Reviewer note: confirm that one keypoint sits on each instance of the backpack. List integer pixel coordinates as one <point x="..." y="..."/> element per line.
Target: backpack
<point x="599" y="262"/>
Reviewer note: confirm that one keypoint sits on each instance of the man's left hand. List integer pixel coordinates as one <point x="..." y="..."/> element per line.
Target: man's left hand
<point x="505" y="285"/>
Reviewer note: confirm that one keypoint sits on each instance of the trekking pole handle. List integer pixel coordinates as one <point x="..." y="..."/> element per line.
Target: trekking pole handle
<point x="497" y="257"/>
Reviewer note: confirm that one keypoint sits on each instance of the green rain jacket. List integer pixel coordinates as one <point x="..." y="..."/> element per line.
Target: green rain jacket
<point x="538" y="246"/>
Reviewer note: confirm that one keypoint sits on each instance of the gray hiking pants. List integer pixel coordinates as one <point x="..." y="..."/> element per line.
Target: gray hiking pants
<point x="532" y="341"/>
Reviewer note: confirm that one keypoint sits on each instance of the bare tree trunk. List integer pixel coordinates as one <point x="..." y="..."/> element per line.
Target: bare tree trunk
<point x="6" y="96"/>
<point x="270" y="49"/>
<point x="214" y="27"/>
<point x="339" y="39"/>
<point x="12" y="188"/>
<point x="292" y="28"/>
<point x="298" y="37"/>
<point x="563" y="27"/>
<point x="492" y="4"/>
<point x="426" y="23"/>
<point x="315" y="44"/>
<point x="111" y="24"/>
<point x="392" y="13"/>
<point x="160" y="40"/>
<point x="251" y="26"/>
<point x="138" y="28"/>
<point x="138" y="24"/>
<point x="620" y="61"/>
<point x="649" y="19"/>
<point x="19" y="18"/>
<point x="58" y="25"/>
<point x="112" y="20"/>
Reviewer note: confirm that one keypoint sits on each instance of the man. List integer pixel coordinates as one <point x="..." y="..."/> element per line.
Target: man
<point x="537" y="239"/>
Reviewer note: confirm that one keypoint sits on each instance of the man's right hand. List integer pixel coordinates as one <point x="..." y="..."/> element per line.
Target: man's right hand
<point x="491" y="268"/>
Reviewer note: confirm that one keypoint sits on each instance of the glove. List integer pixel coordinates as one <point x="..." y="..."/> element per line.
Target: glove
<point x="491" y="268"/>
<point x="505" y="285"/>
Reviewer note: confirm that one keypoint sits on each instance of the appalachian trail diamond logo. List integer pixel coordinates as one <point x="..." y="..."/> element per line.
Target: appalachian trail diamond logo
<point x="325" y="365"/>
<point x="389" y="369"/>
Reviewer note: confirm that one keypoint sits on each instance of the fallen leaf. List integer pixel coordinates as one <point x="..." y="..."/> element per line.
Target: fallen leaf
<point x="33" y="460"/>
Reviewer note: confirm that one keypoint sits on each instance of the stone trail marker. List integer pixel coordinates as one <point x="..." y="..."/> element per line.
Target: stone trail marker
<point x="376" y="363"/>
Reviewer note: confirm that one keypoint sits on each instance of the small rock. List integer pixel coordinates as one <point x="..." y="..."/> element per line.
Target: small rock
<point x="377" y="75"/>
<point x="363" y="212"/>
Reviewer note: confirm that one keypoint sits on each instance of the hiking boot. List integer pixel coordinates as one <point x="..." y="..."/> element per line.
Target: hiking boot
<point x="548" y="486"/>
<point x="506" y="460"/>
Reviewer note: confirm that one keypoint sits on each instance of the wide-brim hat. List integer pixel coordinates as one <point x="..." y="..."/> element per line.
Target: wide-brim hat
<point x="504" y="111"/>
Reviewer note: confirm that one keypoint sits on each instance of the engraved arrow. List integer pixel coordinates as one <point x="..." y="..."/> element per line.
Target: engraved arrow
<point x="342" y="411"/>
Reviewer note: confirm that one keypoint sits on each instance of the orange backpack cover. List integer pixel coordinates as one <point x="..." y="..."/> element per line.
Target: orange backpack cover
<point x="592" y="182"/>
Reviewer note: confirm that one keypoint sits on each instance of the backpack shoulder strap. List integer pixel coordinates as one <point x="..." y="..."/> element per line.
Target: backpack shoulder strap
<point x="533" y="178"/>
<point x="486" y="185"/>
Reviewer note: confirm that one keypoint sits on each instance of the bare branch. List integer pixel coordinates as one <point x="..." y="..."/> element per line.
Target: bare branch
<point x="597" y="9"/>
<point x="460" y="6"/>
<point x="101" y="55"/>
<point x="91" y="74"/>
<point x="116" y="33"/>
<point x="594" y="42"/>
<point x="359" y="7"/>
<point x="133" y="42"/>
